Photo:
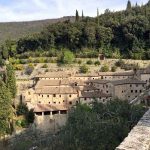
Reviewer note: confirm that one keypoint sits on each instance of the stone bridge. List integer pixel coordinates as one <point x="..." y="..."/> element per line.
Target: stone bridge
<point x="139" y="137"/>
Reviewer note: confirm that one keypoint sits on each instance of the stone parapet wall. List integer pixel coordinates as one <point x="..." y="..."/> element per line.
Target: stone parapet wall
<point x="139" y="137"/>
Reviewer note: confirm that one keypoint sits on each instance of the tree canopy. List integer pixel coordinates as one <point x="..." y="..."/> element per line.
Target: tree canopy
<point x="100" y="127"/>
<point x="125" y="33"/>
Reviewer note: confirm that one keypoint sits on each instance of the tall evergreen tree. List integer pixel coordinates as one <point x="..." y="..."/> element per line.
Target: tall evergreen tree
<point x="77" y="16"/>
<point x="11" y="80"/>
<point x="6" y="111"/>
<point x="97" y="16"/>
<point x="82" y="15"/>
<point x="129" y="7"/>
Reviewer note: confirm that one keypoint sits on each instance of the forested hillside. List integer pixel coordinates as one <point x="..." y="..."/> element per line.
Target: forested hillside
<point x="123" y="34"/>
<point x="16" y="30"/>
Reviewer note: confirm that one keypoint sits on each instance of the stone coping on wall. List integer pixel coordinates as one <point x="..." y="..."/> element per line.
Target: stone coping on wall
<point x="139" y="137"/>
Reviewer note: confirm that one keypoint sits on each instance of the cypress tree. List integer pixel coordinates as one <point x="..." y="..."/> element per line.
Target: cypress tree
<point x="82" y="15"/>
<point x="6" y="111"/>
<point x="129" y="7"/>
<point x="77" y="16"/>
<point x="11" y="80"/>
<point x="97" y="16"/>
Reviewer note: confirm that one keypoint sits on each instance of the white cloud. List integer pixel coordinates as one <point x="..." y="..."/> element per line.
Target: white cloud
<point x="24" y="10"/>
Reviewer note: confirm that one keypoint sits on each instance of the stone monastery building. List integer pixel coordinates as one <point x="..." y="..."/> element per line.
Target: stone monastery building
<point x="56" y="92"/>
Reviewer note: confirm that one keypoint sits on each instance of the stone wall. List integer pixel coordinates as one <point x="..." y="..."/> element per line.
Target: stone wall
<point x="139" y="137"/>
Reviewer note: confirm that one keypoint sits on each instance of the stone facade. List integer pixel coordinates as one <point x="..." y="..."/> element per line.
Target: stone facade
<point x="54" y="91"/>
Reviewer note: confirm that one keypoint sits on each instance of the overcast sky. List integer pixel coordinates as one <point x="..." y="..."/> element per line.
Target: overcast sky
<point x="26" y="10"/>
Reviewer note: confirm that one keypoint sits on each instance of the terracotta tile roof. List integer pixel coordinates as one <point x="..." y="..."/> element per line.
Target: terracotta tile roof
<point x="96" y="94"/>
<point x="125" y="73"/>
<point x="48" y="107"/>
<point x="59" y="74"/>
<point x="87" y="75"/>
<point x="98" y="81"/>
<point x="48" y="83"/>
<point x="89" y="88"/>
<point x="127" y="81"/>
<point x="56" y="90"/>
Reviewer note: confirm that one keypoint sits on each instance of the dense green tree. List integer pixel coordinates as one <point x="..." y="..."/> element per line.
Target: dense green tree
<point x="11" y="80"/>
<point x="66" y="57"/>
<point x="96" y="127"/>
<point x="6" y="111"/>
<point x="122" y="33"/>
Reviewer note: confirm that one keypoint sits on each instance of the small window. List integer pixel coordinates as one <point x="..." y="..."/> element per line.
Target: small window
<point x="69" y="95"/>
<point x="54" y="95"/>
<point x="39" y="94"/>
<point x="107" y="91"/>
<point x="85" y="99"/>
<point x="49" y="102"/>
<point x="135" y="91"/>
<point x="39" y="101"/>
<point x="131" y="91"/>
<point x="47" y="95"/>
<point x="42" y="95"/>
<point x="130" y="85"/>
<point x="59" y="95"/>
<point x="140" y="91"/>
<point x="54" y="102"/>
<point x="122" y="91"/>
<point x="70" y="103"/>
<point x="63" y="101"/>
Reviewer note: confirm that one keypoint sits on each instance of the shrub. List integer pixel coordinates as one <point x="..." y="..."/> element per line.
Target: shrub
<point x="36" y="60"/>
<point x="79" y="62"/>
<point x="30" y="116"/>
<point x="113" y="69"/>
<point x="105" y="68"/>
<point x="18" y="67"/>
<point x="23" y="61"/>
<point x="89" y="62"/>
<point x="29" y="69"/>
<point x="120" y="63"/>
<point x="22" y="109"/>
<point x="97" y="63"/>
<point x="66" y="57"/>
<point x="84" y="69"/>
<point x="45" y="66"/>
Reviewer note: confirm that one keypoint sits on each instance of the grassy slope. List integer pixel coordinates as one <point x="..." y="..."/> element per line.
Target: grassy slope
<point x="16" y="30"/>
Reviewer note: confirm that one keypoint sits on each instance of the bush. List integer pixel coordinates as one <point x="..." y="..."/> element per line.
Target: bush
<point x="120" y="63"/>
<point x="105" y="68"/>
<point x="22" y="109"/>
<point x="29" y="69"/>
<point x="79" y="62"/>
<point x="84" y="69"/>
<point x="36" y="60"/>
<point x="66" y="57"/>
<point x="18" y="67"/>
<point x="23" y="61"/>
<point x="97" y="63"/>
<point x="45" y="66"/>
<point x="113" y="69"/>
<point x="30" y="116"/>
<point x="89" y="62"/>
